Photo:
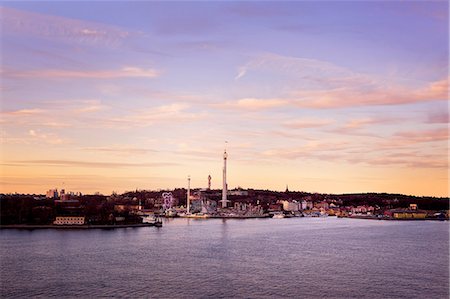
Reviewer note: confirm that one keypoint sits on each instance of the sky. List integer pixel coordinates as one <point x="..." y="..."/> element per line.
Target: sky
<point x="319" y="96"/>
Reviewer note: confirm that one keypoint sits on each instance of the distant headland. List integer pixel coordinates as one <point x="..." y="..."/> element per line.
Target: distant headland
<point x="58" y="208"/>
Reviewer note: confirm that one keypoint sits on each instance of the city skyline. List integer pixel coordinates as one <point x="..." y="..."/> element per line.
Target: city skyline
<point x="114" y="96"/>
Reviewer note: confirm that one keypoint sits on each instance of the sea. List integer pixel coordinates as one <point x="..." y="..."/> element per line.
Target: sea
<point x="217" y="258"/>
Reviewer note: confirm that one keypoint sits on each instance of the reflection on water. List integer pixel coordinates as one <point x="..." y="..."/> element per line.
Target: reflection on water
<point x="253" y="258"/>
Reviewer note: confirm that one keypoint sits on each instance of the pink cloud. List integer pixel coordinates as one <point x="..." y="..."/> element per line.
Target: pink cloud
<point x="349" y="96"/>
<point x="414" y="139"/>
<point x="440" y="117"/>
<point x="307" y="123"/>
<point x="251" y="104"/>
<point x="88" y="164"/>
<point x="172" y="113"/>
<point x="23" y="112"/>
<point x="357" y="126"/>
<point x="120" y="150"/>
<point x="125" y="72"/>
<point x="439" y="134"/>
<point x="317" y="84"/>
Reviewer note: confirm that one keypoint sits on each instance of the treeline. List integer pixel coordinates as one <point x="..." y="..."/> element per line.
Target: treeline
<point x="100" y="209"/>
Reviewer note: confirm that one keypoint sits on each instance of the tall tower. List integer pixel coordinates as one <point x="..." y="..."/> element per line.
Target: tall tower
<point x="188" y="195"/>
<point x="209" y="182"/>
<point x="224" y="189"/>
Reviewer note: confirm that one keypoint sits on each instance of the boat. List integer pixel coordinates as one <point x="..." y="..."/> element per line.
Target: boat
<point x="170" y="213"/>
<point x="198" y="215"/>
<point x="278" y="216"/>
<point x="151" y="219"/>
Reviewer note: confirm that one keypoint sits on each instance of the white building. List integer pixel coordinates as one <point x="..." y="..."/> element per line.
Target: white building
<point x="303" y="205"/>
<point x="290" y="206"/>
<point x="69" y="220"/>
<point x="238" y="192"/>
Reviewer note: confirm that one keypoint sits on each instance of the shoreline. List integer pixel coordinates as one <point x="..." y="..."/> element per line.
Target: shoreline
<point x="114" y="226"/>
<point x="84" y="226"/>
<point x="222" y="217"/>
<point x="396" y="219"/>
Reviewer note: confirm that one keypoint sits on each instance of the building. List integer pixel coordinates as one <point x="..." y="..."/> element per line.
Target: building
<point x="238" y="192"/>
<point x="65" y="196"/>
<point x="52" y="193"/>
<point x="303" y="205"/>
<point x="290" y="206"/>
<point x="322" y="205"/>
<point x="69" y="220"/>
<point x="404" y="214"/>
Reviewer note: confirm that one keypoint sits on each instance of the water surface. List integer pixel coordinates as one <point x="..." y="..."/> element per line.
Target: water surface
<point x="253" y="258"/>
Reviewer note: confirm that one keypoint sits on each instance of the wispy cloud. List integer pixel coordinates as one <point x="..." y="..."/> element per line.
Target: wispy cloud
<point x="63" y="113"/>
<point x="23" y="112"/>
<point x="302" y="69"/>
<point x="350" y="96"/>
<point x="33" y="136"/>
<point x="82" y="113"/>
<point x="439" y="117"/>
<point x="251" y="104"/>
<point x="310" y="150"/>
<point x="415" y="139"/>
<point x="415" y="136"/>
<point x="358" y="126"/>
<point x="172" y="113"/>
<point x="317" y="84"/>
<point x="345" y="153"/>
<point x="33" y="24"/>
<point x="88" y="164"/>
<point x="306" y="123"/>
<point x="120" y="150"/>
<point x="125" y="72"/>
<point x="347" y="96"/>
<point x="409" y="161"/>
<point x="92" y="106"/>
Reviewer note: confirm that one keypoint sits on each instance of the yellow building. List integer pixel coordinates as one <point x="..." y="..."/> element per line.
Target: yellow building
<point x="69" y="220"/>
<point x="409" y="215"/>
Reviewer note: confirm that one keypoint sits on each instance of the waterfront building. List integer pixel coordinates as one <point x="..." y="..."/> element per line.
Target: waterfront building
<point x="322" y="205"/>
<point x="69" y="220"/>
<point x="240" y="206"/>
<point x="409" y="215"/>
<point x="303" y="205"/>
<point x="290" y="206"/>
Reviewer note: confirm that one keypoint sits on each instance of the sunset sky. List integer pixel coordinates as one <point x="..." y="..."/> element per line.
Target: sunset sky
<point x="330" y="97"/>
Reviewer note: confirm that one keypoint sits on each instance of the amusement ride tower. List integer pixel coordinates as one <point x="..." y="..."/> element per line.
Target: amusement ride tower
<point x="225" y="189"/>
